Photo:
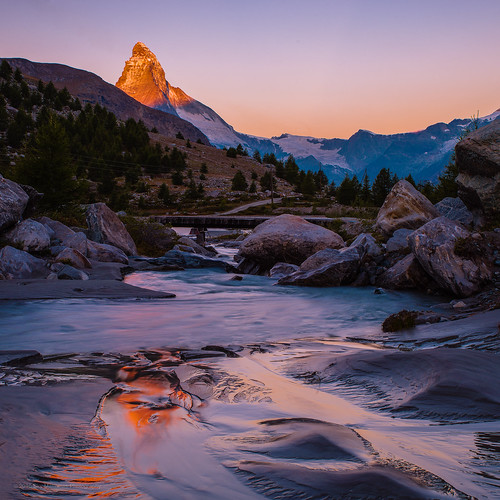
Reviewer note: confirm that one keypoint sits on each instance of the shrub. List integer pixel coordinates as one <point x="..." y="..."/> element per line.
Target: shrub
<point x="400" y="321"/>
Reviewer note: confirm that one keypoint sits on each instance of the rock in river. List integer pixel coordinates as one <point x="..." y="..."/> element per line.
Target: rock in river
<point x="287" y="238"/>
<point x="328" y="267"/>
<point x="434" y="245"/>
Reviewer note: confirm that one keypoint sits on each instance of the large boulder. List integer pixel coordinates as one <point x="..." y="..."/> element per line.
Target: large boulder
<point x="328" y="267"/>
<point x="287" y="238"/>
<point x="455" y="209"/>
<point x="404" y="207"/>
<point x="58" y="230"/>
<point x="71" y="273"/>
<point x="105" y="227"/>
<point x="405" y="274"/>
<point x="105" y="253"/>
<point x="73" y="258"/>
<point x="17" y="264"/>
<point x="77" y="241"/>
<point x="13" y="201"/>
<point x="30" y="235"/>
<point x="478" y="163"/>
<point x="436" y="245"/>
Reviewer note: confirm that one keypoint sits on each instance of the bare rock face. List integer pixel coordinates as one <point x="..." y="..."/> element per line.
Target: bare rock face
<point x="77" y="241"/>
<point x="455" y="209"/>
<point x="17" y="264"/>
<point x="328" y="267"/>
<point x="405" y="274"/>
<point x="143" y="78"/>
<point x="30" y="235"/>
<point x="105" y="227"/>
<point x="13" y="202"/>
<point x="435" y="247"/>
<point x="287" y="238"/>
<point x="404" y="207"/>
<point x="478" y="162"/>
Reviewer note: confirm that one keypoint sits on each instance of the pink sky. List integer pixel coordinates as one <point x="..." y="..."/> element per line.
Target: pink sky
<point x="324" y="68"/>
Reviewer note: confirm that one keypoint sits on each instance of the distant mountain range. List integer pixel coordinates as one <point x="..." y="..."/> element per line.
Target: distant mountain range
<point x="143" y="92"/>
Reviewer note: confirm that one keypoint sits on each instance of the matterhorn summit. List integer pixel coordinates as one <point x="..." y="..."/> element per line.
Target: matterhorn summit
<point x="144" y="79"/>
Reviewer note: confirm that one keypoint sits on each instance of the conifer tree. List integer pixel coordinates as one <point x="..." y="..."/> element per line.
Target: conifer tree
<point x="48" y="166"/>
<point x="239" y="182"/>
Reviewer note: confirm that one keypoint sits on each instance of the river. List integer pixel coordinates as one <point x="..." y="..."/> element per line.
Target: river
<point x="245" y="389"/>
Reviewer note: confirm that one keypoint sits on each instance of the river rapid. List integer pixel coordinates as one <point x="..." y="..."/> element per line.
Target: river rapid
<point x="244" y="389"/>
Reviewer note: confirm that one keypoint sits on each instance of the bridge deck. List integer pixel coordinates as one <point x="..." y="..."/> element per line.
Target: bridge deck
<point x="223" y="221"/>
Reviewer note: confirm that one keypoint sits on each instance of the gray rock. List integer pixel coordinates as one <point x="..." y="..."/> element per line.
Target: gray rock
<point x="77" y="241"/>
<point x="404" y="207"/>
<point x="282" y="269"/>
<point x="189" y="260"/>
<point x="74" y="258"/>
<point x="105" y="253"/>
<point x="367" y="245"/>
<point x="15" y="264"/>
<point x="328" y="267"/>
<point x="30" y="235"/>
<point x="478" y="163"/>
<point x="59" y="230"/>
<point x="13" y="201"/>
<point x="71" y="273"/>
<point x="287" y="238"/>
<point x="455" y="209"/>
<point x="183" y="248"/>
<point x="434" y="246"/>
<point x="399" y="240"/>
<point x="405" y="274"/>
<point x="188" y="242"/>
<point x="105" y="227"/>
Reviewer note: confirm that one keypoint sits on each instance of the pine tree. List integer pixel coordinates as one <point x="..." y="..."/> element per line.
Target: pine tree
<point x="48" y="166"/>
<point x="366" y="193"/>
<point x="239" y="182"/>
<point x="252" y="188"/>
<point x="345" y="192"/>
<point x="382" y="186"/>
<point x="256" y="156"/>
<point x="5" y="70"/>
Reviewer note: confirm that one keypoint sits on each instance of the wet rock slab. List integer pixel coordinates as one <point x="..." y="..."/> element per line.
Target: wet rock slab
<point x="63" y="289"/>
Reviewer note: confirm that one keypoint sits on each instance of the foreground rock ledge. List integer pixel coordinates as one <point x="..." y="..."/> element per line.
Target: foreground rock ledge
<point x="60" y="289"/>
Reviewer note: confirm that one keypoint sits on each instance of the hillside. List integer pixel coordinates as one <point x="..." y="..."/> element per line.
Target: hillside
<point x="90" y="88"/>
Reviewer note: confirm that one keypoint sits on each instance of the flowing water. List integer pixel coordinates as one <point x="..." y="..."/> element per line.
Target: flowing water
<point x="244" y="389"/>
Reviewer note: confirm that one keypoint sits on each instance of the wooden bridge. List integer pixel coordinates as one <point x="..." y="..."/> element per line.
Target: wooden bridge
<point x="204" y="222"/>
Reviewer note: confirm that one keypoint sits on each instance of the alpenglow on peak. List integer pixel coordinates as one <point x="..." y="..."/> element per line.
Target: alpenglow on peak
<point x="144" y="79"/>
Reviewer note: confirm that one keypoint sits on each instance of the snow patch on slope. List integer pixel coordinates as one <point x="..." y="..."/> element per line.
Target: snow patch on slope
<point x="304" y="146"/>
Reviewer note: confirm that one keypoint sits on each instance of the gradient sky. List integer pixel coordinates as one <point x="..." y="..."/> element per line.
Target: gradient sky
<point x="324" y="68"/>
